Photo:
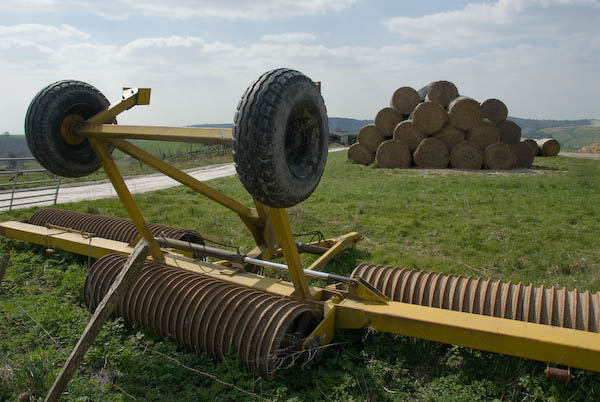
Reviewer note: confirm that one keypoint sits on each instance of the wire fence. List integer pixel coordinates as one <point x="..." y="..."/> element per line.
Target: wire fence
<point x="23" y="182"/>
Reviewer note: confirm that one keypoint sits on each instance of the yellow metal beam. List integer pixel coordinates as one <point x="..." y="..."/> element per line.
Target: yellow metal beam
<point x="96" y="247"/>
<point x="200" y="135"/>
<point x="290" y="251"/>
<point x="545" y="343"/>
<point x="128" y="202"/>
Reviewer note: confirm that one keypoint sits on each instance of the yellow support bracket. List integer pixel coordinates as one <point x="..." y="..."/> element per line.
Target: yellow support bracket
<point x="125" y="196"/>
<point x="290" y="251"/>
<point x="130" y="98"/>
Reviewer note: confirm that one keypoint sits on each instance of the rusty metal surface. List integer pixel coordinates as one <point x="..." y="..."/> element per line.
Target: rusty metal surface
<point x="112" y="228"/>
<point x="208" y="315"/>
<point x="550" y="306"/>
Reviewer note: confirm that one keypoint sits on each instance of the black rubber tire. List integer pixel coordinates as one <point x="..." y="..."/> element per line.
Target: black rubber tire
<point x="43" y="121"/>
<point x="280" y="138"/>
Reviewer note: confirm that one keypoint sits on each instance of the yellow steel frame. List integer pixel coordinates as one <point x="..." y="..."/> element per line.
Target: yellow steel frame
<point x="356" y="306"/>
<point x="360" y="306"/>
<point x="270" y="227"/>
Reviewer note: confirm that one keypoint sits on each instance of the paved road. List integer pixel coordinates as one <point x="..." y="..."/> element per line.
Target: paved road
<point x="136" y="184"/>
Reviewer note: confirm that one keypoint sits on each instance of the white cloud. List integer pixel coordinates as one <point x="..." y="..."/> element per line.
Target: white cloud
<point x="500" y="22"/>
<point x="200" y="81"/>
<point x="182" y="9"/>
<point x="290" y="37"/>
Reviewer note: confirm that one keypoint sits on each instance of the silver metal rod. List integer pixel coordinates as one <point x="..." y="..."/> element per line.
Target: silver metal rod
<point x="307" y="272"/>
<point x="228" y="255"/>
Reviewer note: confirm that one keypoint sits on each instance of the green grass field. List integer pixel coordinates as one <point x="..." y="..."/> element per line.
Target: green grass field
<point x="573" y="138"/>
<point x="537" y="227"/>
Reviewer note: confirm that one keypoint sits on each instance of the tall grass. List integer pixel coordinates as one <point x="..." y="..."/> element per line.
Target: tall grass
<point x="537" y="226"/>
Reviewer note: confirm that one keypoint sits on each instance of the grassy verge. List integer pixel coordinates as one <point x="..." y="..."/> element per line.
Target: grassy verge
<point x="539" y="227"/>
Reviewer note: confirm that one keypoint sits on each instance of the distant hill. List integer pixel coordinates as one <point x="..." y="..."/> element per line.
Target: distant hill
<point x="573" y="138"/>
<point x="224" y="125"/>
<point x="348" y="125"/>
<point x="335" y="124"/>
<point x="13" y="146"/>
<point x="532" y="128"/>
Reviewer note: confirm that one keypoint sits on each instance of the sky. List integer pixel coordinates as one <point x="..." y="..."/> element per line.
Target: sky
<point x="541" y="57"/>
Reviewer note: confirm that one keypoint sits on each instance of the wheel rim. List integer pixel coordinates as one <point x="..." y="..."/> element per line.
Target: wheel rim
<point x="67" y="129"/>
<point x="303" y="140"/>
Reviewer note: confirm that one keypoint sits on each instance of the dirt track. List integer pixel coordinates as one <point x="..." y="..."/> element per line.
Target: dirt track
<point x="136" y="184"/>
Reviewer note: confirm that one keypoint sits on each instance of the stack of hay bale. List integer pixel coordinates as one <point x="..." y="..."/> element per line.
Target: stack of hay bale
<point x="436" y="128"/>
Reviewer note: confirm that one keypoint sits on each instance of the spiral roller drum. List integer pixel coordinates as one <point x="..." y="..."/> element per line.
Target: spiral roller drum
<point x="118" y="229"/>
<point x="208" y="315"/>
<point x="542" y="305"/>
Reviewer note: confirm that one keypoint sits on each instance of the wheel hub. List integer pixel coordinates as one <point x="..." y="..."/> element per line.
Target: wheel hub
<point x="67" y="129"/>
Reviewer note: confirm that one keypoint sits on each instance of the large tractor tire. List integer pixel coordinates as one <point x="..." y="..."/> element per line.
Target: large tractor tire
<point x="49" y="122"/>
<point x="280" y="138"/>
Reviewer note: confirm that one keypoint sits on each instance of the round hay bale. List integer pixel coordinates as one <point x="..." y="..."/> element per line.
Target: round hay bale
<point x="370" y="137"/>
<point x="440" y="92"/>
<point x="533" y="145"/>
<point x="524" y="154"/>
<point x="499" y="156"/>
<point x="409" y="134"/>
<point x="405" y="99"/>
<point x="432" y="153"/>
<point x="548" y="147"/>
<point x="360" y="154"/>
<point x="510" y="132"/>
<point x="450" y="135"/>
<point x="386" y="120"/>
<point x="466" y="155"/>
<point x="464" y="113"/>
<point x="429" y="117"/>
<point x="484" y="134"/>
<point x="393" y="154"/>
<point x="494" y="110"/>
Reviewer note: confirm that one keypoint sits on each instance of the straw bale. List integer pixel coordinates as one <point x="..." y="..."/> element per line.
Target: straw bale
<point x="432" y="153"/>
<point x="499" y="156"/>
<point x="405" y="99"/>
<point x="393" y="154"/>
<point x="440" y="92"/>
<point x="533" y="145"/>
<point x="429" y="117"/>
<point x="409" y="134"/>
<point x="494" y="110"/>
<point x="370" y="137"/>
<point x="360" y="154"/>
<point x="484" y="134"/>
<point x="524" y="154"/>
<point x="510" y="132"/>
<point x="450" y="135"/>
<point x="464" y="113"/>
<point x="548" y="147"/>
<point x="466" y="155"/>
<point x="386" y="120"/>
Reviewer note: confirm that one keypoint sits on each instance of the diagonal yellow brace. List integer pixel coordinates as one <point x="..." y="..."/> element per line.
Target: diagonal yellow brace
<point x="128" y="202"/>
<point x="183" y="178"/>
<point x="290" y="251"/>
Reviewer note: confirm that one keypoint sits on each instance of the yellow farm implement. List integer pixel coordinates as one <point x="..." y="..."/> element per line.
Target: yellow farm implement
<point x="220" y="305"/>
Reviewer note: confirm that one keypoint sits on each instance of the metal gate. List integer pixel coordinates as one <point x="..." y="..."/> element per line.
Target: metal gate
<point x="24" y="182"/>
